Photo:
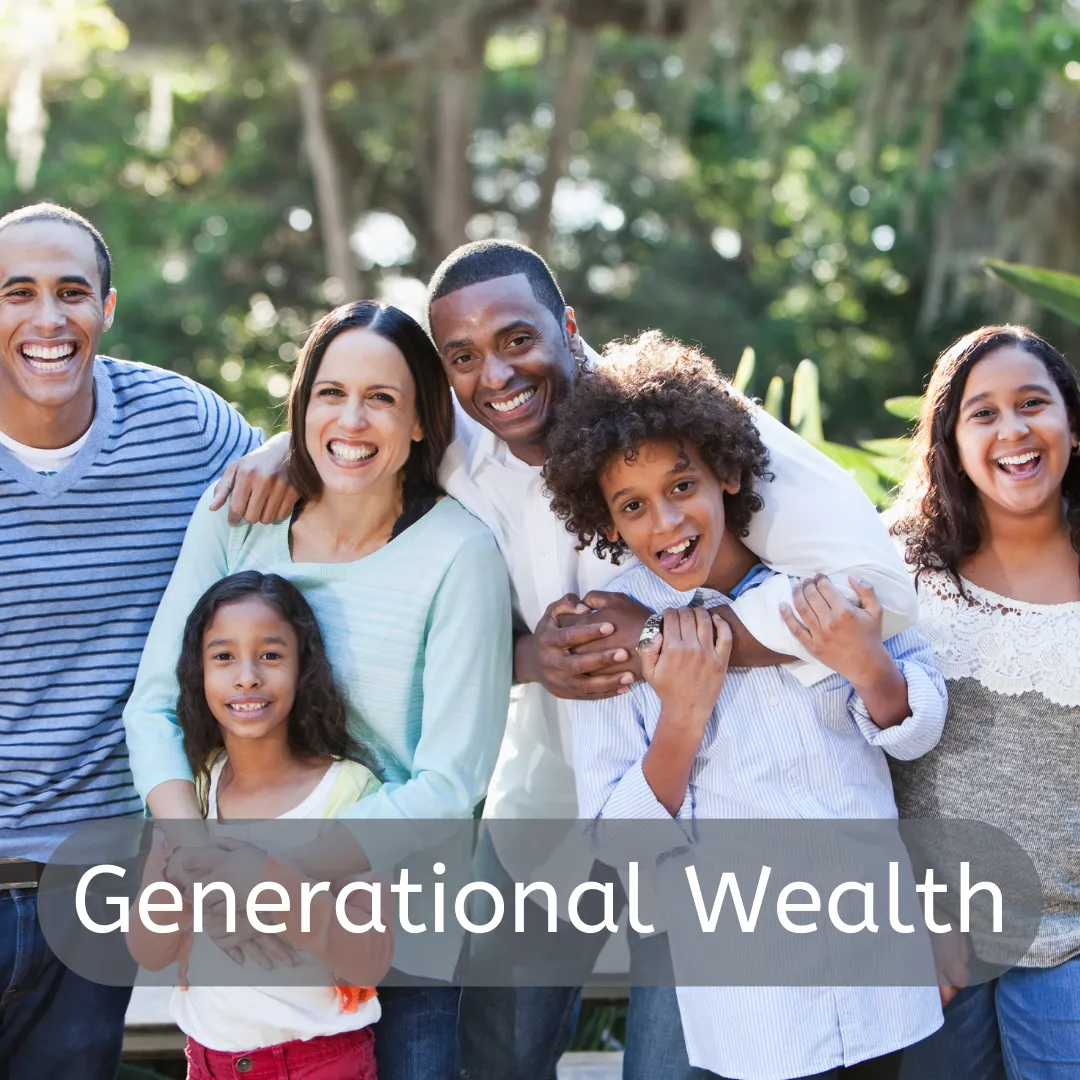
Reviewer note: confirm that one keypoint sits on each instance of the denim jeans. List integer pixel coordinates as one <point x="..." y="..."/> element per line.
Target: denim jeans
<point x="416" y="1037"/>
<point x="522" y="1032"/>
<point x="886" y="1067"/>
<point x="655" y="1047"/>
<point x="1025" y="1025"/>
<point x="52" y="1021"/>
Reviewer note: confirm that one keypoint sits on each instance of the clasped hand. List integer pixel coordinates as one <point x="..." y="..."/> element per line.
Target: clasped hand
<point x="687" y="663"/>
<point x="952" y="951"/>
<point x="240" y="865"/>
<point x="584" y="649"/>
<point x="845" y="637"/>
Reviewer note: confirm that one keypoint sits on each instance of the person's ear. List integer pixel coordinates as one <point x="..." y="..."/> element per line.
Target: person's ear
<point x="732" y="485"/>
<point x="417" y="431"/>
<point x="110" y="310"/>
<point x="611" y="534"/>
<point x="577" y="346"/>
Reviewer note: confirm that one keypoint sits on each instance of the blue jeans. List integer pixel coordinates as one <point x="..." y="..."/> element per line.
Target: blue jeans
<point x="655" y="1047"/>
<point x="416" y="1037"/>
<point x="520" y="1033"/>
<point x="1025" y="1025"/>
<point x="52" y="1021"/>
<point x="515" y="1031"/>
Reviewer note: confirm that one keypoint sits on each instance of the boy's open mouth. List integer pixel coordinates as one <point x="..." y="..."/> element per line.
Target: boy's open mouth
<point x="671" y="558"/>
<point x="1020" y="465"/>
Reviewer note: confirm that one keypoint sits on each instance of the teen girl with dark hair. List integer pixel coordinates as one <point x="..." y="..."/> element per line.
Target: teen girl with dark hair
<point x="990" y="523"/>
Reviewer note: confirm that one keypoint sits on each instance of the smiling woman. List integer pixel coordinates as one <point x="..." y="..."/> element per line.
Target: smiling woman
<point x="990" y="521"/>
<point x="999" y="395"/>
<point x="404" y="583"/>
<point x="368" y="381"/>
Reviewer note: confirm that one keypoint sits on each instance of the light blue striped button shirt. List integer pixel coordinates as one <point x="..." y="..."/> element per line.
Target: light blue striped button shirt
<point x="773" y="748"/>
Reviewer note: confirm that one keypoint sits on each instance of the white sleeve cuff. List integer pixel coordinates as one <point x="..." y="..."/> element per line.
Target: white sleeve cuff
<point x="634" y="799"/>
<point x="920" y="732"/>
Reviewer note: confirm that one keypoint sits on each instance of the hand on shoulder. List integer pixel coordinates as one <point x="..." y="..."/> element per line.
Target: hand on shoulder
<point x="257" y="486"/>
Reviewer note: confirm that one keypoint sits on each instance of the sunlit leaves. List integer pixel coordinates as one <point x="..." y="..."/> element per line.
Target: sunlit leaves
<point x="1058" y="292"/>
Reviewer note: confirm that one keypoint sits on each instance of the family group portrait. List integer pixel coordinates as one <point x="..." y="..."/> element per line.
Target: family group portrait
<point x="542" y="450"/>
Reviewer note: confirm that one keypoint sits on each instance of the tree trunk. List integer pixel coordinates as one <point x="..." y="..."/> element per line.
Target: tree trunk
<point x="574" y="70"/>
<point x="331" y="209"/>
<point x="941" y="256"/>
<point x="703" y="17"/>
<point x="951" y="27"/>
<point x="457" y="87"/>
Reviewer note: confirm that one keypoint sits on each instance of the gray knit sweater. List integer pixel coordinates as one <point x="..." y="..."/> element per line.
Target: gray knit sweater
<point x="1010" y="752"/>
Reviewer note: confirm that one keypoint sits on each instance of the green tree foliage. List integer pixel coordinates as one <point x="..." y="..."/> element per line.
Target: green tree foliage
<point x="816" y="181"/>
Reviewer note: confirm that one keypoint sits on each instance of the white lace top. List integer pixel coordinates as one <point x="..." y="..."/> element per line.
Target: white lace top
<point x="1008" y="646"/>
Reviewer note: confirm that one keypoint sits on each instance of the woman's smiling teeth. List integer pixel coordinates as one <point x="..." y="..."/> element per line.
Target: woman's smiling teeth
<point x="347" y="452"/>
<point x="513" y="403"/>
<point x="1020" y="464"/>
<point x="48" y="357"/>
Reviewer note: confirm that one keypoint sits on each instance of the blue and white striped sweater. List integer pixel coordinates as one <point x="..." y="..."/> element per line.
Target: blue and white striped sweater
<point x="85" y="555"/>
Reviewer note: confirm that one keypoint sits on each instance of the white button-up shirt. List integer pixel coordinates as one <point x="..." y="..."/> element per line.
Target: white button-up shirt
<point x="815" y="519"/>
<point x="814" y="754"/>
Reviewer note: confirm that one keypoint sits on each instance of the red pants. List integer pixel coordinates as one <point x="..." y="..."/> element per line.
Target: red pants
<point x="349" y="1056"/>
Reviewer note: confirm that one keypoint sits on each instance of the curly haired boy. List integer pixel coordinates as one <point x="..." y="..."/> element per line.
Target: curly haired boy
<point x="652" y="389"/>
<point x="655" y="455"/>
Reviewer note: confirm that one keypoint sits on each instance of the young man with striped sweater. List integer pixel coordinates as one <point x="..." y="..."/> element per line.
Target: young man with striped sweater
<point x="101" y="464"/>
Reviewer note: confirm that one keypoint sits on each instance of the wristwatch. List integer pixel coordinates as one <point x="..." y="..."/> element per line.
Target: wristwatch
<point x="652" y="627"/>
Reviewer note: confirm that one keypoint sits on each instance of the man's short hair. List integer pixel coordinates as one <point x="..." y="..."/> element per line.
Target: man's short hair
<point x="486" y="260"/>
<point x="46" y="211"/>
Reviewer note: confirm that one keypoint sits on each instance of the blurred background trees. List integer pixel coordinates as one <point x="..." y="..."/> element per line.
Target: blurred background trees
<point x="817" y="179"/>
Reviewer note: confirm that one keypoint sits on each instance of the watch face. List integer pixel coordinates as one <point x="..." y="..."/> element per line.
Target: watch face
<point x="652" y="627"/>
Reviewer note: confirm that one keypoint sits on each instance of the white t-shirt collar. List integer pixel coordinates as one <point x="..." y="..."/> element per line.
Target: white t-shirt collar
<point x="45" y="461"/>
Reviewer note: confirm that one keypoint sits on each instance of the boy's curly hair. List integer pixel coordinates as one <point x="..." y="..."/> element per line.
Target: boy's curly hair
<point x="651" y="387"/>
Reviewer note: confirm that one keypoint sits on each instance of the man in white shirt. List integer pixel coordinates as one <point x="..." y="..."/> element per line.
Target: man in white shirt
<point x="511" y="347"/>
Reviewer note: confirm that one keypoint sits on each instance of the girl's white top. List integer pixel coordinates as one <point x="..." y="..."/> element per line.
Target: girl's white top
<point x="237" y="1018"/>
<point x="1008" y="646"/>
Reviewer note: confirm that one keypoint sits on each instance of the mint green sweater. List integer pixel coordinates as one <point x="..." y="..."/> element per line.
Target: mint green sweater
<point x="419" y="636"/>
